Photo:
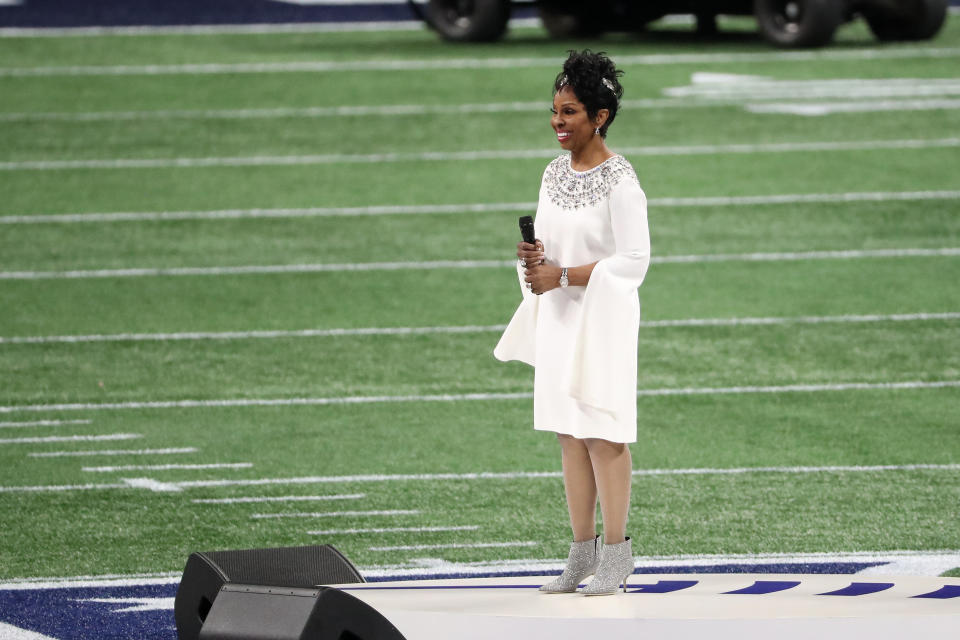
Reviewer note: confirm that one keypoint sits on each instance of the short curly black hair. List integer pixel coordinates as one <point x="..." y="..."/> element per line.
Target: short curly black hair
<point x="595" y="81"/>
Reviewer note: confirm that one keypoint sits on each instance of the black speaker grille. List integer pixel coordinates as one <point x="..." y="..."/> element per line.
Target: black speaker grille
<point x="303" y="567"/>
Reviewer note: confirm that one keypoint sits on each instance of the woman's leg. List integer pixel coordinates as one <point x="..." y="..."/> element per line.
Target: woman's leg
<point x="580" y="486"/>
<point x="613" y="473"/>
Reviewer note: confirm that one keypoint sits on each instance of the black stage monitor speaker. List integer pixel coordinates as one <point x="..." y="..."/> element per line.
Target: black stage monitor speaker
<point x="256" y="612"/>
<point x="295" y="567"/>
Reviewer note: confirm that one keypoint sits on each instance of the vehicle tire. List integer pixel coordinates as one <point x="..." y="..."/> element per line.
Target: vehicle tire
<point x="799" y="23"/>
<point x="470" y="20"/>
<point x="568" y="20"/>
<point x="913" y="20"/>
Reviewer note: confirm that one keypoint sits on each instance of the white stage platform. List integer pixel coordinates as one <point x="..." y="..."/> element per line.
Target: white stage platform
<point x="715" y="606"/>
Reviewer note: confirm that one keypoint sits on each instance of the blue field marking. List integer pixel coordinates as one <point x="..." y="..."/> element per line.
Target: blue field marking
<point x="944" y="593"/>
<point x="69" y="614"/>
<point x="663" y="586"/>
<point x="762" y="587"/>
<point x="859" y="589"/>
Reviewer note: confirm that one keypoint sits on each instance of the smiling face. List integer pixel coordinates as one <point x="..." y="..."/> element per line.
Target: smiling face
<point x="570" y="120"/>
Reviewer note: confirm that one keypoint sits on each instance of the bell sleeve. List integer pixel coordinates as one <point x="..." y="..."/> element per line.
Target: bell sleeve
<point x="604" y="362"/>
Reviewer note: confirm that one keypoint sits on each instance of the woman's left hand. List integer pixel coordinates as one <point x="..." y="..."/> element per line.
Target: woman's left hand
<point x="542" y="278"/>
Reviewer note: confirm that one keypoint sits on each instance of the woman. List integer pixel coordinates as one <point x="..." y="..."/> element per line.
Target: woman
<point x="579" y="318"/>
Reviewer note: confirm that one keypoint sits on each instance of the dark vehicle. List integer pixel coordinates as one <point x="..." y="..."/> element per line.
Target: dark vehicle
<point x="785" y="23"/>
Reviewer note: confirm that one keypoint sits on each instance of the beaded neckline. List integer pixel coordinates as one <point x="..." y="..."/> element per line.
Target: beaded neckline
<point x="571" y="189"/>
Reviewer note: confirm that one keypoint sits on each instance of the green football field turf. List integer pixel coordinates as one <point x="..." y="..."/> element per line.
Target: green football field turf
<point x="300" y="275"/>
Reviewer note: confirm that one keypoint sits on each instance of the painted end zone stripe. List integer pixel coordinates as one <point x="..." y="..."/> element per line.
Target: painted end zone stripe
<point x="272" y="402"/>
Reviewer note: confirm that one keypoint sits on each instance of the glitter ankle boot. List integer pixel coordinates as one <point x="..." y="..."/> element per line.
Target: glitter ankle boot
<point x="616" y="565"/>
<point x="581" y="562"/>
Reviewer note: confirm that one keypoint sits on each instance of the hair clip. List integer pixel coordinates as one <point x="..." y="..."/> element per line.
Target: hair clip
<point x="608" y="84"/>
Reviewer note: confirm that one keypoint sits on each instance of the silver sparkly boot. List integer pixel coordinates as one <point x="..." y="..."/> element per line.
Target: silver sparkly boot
<point x="616" y="565"/>
<point x="581" y="562"/>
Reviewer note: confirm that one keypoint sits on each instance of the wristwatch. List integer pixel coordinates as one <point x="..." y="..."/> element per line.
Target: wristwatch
<point x="564" y="282"/>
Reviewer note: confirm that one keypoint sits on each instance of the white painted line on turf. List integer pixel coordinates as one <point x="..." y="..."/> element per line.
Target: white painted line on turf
<point x="394" y="65"/>
<point x="471" y="397"/>
<point x="465" y="329"/>
<point x="40" y="423"/>
<point x="83" y="438"/>
<point x="138" y="604"/>
<point x="751" y="88"/>
<point x="457" y="545"/>
<point x="336" y="111"/>
<point x="338" y="514"/>
<point x="469" y="156"/>
<point x="312" y="212"/>
<point x="106" y="580"/>
<point x="112" y="452"/>
<point x="168" y="467"/>
<point x="433" y="265"/>
<point x="10" y="632"/>
<point x="864" y="106"/>
<point x="150" y="484"/>
<point x="259" y="499"/>
<point x="155" y="485"/>
<point x="334" y="532"/>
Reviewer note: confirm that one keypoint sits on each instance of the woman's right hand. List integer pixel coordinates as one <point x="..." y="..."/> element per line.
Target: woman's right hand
<point x="530" y="255"/>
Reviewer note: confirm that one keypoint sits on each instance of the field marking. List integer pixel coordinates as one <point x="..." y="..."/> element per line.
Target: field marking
<point x="83" y="438"/>
<point x="112" y="452"/>
<point x="462" y="329"/>
<point x="706" y="86"/>
<point x="155" y="485"/>
<point x="432" y="265"/>
<point x="11" y="632"/>
<point x="457" y="545"/>
<point x="40" y="423"/>
<point x="320" y="212"/>
<point x="947" y="558"/>
<point x="168" y="467"/>
<point x="464" y="397"/>
<point x="337" y="514"/>
<point x="469" y="156"/>
<point x="336" y="111"/>
<point x="254" y="500"/>
<point x="334" y="532"/>
<point x="814" y="109"/>
<point x="436" y="64"/>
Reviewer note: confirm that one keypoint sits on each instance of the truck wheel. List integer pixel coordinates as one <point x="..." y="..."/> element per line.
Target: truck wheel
<point x="562" y="20"/>
<point x="470" y="20"/>
<point x="799" y="23"/>
<point x="912" y="20"/>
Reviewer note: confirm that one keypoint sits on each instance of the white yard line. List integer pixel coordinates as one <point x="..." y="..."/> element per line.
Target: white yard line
<point x="40" y="423"/>
<point x="154" y="485"/>
<point x="468" y="156"/>
<point x="457" y="545"/>
<point x="464" y="397"/>
<point x="111" y="452"/>
<point x="463" y="329"/>
<point x="335" y="532"/>
<point x="338" y="514"/>
<point x="861" y="106"/>
<point x="83" y="438"/>
<point x="168" y="467"/>
<point x="259" y="499"/>
<point x="462" y="264"/>
<point x="349" y="111"/>
<point x="319" y="212"/>
<point x="395" y="65"/>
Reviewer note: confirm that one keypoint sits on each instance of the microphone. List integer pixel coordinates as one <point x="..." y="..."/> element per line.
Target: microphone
<point x="526" y="229"/>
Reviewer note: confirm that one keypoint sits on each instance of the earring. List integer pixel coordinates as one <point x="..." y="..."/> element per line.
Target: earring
<point x="596" y="131"/>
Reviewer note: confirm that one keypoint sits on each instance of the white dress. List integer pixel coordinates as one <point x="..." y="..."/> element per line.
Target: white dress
<point x="582" y="341"/>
